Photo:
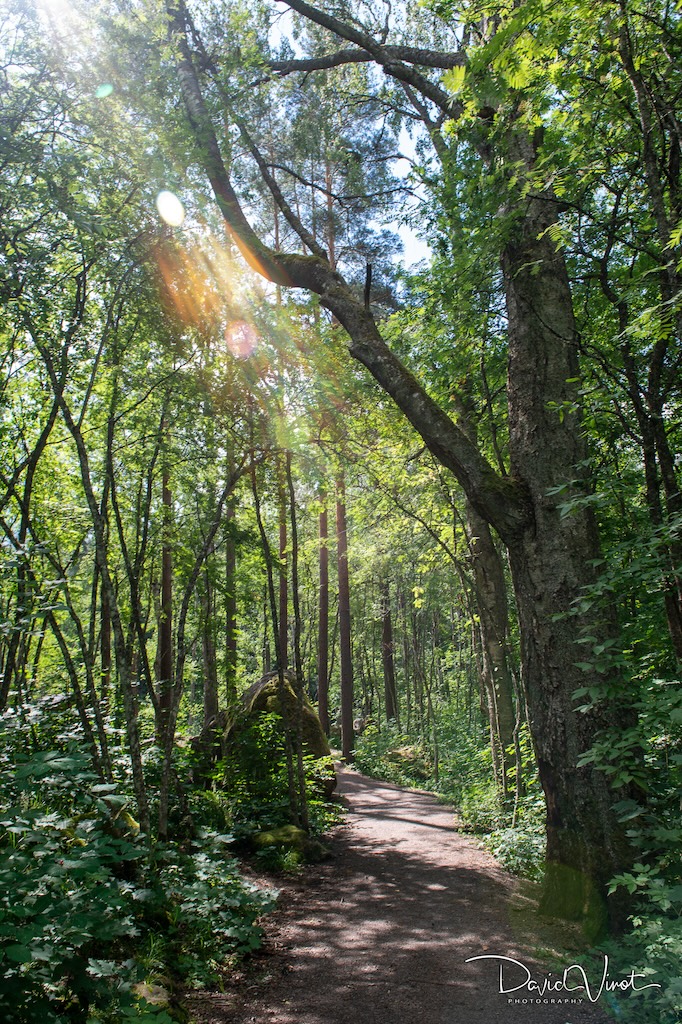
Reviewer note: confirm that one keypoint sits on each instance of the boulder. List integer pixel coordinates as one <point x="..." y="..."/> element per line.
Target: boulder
<point x="289" y="837"/>
<point x="266" y="695"/>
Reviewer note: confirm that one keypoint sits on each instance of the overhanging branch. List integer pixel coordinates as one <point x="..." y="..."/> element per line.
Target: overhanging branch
<point x="406" y="54"/>
<point x="500" y="501"/>
<point x="385" y="56"/>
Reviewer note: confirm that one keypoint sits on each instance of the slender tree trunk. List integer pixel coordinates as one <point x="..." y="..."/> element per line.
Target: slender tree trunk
<point x="105" y="648"/>
<point x="346" y="655"/>
<point x="298" y="661"/>
<point x="24" y="601"/>
<point x="182" y="649"/>
<point x="282" y="638"/>
<point x="390" y="699"/>
<point x="267" y="554"/>
<point x="402" y="618"/>
<point x="323" y="626"/>
<point x="491" y="603"/>
<point x="230" y="600"/>
<point x="165" y="656"/>
<point x="265" y="647"/>
<point x="209" y="652"/>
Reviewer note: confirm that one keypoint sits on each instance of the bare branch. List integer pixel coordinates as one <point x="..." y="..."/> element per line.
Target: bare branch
<point x="406" y="54"/>
<point x="384" y="56"/>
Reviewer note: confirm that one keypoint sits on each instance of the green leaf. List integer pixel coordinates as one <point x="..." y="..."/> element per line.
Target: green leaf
<point x="453" y="79"/>
<point x="18" y="954"/>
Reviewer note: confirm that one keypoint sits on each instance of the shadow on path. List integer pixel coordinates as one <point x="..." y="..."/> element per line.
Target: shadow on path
<point x="380" y="935"/>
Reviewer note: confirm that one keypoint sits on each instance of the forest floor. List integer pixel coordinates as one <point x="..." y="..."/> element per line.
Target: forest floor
<point x="380" y="933"/>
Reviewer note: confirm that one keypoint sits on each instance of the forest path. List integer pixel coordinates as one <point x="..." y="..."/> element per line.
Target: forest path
<point x="380" y="934"/>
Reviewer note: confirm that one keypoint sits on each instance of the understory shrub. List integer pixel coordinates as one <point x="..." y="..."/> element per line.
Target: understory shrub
<point x="83" y="895"/>
<point x="392" y="756"/>
<point x="254" y="778"/>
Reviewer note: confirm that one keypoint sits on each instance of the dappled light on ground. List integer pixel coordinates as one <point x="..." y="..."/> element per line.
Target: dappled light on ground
<point x="381" y="933"/>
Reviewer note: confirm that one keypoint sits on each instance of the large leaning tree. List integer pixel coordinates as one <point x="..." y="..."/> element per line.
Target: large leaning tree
<point x="231" y="78"/>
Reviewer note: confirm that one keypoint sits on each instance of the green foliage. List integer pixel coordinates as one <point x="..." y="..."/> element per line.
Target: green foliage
<point x="254" y="774"/>
<point x="210" y="911"/>
<point x="520" y="847"/>
<point x="82" y="894"/>
<point x="255" y="782"/>
<point x="655" y="945"/>
<point x="392" y="756"/>
<point x="69" y="907"/>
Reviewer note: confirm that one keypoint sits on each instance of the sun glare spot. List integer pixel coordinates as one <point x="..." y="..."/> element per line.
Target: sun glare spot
<point x="170" y="209"/>
<point x="104" y="90"/>
<point x="241" y="339"/>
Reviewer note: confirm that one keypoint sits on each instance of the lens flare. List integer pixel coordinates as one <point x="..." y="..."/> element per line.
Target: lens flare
<point x="170" y="209"/>
<point x="241" y="339"/>
<point x="104" y="90"/>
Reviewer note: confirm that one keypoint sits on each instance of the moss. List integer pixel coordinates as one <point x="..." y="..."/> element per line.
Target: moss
<point x="266" y="696"/>
<point x="289" y="836"/>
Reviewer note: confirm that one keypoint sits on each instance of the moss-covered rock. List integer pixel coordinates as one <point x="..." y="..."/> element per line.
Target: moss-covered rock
<point x="288" y="836"/>
<point x="291" y="838"/>
<point x="220" y="738"/>
<point x="268" y="695"/>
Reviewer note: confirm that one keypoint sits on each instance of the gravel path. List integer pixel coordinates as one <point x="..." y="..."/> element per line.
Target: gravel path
<point x="380" y="934"/>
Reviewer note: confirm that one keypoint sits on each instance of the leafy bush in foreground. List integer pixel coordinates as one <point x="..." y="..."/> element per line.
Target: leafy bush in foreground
<point x="82" y="896"/>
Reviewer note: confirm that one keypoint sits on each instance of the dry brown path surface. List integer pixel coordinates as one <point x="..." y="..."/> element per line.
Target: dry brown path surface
<point x="380" y="934"/>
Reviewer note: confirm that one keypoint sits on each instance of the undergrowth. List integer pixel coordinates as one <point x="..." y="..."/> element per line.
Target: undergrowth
<point x="96" y="918"/>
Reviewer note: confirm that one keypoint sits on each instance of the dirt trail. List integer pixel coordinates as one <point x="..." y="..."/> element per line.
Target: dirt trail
<point x="380" y="934"/>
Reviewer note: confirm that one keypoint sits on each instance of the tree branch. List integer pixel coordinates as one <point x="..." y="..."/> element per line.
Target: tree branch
<point x="385" y="56"/>
<point x="502" y="502"/>
<point x="406" y="54"/>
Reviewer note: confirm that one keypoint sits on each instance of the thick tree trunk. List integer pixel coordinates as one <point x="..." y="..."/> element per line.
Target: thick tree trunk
<point x="323" y="626"/>
<point x="346" y="656"/>
<point x="550" y="554"/>
<point x="551" y="563"/>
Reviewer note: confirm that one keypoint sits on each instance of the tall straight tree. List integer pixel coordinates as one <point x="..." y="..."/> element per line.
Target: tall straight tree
<point x="165" y="628"/>
<point x="390" y="697"/>
<point x="323" y="622"/>
<point x="345" y="646"/>
<point x="283" y="586"/>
